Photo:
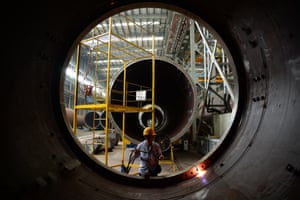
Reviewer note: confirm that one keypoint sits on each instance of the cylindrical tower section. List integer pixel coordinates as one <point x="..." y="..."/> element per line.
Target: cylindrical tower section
<point x="175" y="99"/>
<point x="70" y="115"/>
<point x="94" y="120"/>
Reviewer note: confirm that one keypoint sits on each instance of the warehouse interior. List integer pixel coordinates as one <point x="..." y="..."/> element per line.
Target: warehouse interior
<point x="123" y="54"/>
<point x="43" y="154"/>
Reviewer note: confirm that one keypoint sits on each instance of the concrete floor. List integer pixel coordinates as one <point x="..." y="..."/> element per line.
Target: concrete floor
<point x="181" y="159"/>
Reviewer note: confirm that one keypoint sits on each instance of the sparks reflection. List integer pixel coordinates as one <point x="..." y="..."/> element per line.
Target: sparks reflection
<point x="200" y="172"/>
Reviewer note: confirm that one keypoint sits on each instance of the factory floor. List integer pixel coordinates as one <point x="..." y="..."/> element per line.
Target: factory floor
<point x="176" y="158"/>
<point x="181" y="160"/>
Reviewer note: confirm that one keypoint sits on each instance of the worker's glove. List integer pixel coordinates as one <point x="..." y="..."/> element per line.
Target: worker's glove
<point x="161" y="157"/>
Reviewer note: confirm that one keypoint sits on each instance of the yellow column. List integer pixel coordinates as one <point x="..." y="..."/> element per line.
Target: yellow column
<point x="123" y="120"/>
<point x="153" y="83"/>
<point x="107" y="91"/>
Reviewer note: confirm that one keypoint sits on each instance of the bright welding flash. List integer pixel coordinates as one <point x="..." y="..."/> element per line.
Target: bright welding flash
<point x="200" y="172"/>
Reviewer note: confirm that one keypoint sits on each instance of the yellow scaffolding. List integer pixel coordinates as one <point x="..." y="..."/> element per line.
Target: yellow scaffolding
<point x="171" y="160"/>
<point x="113" y="46"/>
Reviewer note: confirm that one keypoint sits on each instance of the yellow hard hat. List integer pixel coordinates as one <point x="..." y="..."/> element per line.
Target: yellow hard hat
<point x="148" y="131"/>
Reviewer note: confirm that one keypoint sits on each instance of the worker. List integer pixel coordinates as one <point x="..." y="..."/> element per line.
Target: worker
<point x="88" y="96"/>
<point x="150" y="153"/>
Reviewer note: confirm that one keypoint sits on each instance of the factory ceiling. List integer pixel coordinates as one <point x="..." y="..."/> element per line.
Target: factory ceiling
<point x="167" y="33"/>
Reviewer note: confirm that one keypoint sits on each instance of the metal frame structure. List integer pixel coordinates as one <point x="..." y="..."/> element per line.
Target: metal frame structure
<point x="211" y="70"/>
<point x="111" y="45"/>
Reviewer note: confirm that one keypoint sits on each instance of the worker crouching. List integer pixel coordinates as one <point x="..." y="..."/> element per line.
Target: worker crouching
<point x="150" y="153"/>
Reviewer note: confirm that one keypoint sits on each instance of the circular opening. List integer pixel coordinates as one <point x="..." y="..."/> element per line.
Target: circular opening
<point x="145" y="118"/>
<point x="174" y="99"/>
<point x="144" y="58"/>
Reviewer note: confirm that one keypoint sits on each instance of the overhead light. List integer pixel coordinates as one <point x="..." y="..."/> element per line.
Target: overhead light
<point x="145" y="38"/>
<point x="115" y="61"/>
<point x="71" y="73"/>
<point x="100" y="40"/>
<point x="105" y="38"/>
<point x="136" y="23"/>
<point x="150" y="50"/>
<point x="130" y="24"/>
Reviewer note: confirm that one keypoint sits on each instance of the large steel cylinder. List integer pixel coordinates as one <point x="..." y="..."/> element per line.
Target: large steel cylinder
<point x="70" y="113"/>
<point x="94" y="120"/>
<point x="175" y="99"/>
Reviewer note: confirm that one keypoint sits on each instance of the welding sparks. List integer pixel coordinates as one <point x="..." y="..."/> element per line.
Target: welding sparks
<point x="200" y="172"/>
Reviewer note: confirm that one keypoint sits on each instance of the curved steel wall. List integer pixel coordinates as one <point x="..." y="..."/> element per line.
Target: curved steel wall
<point x="259" y="159"/>
<point x="175" y="95"/>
